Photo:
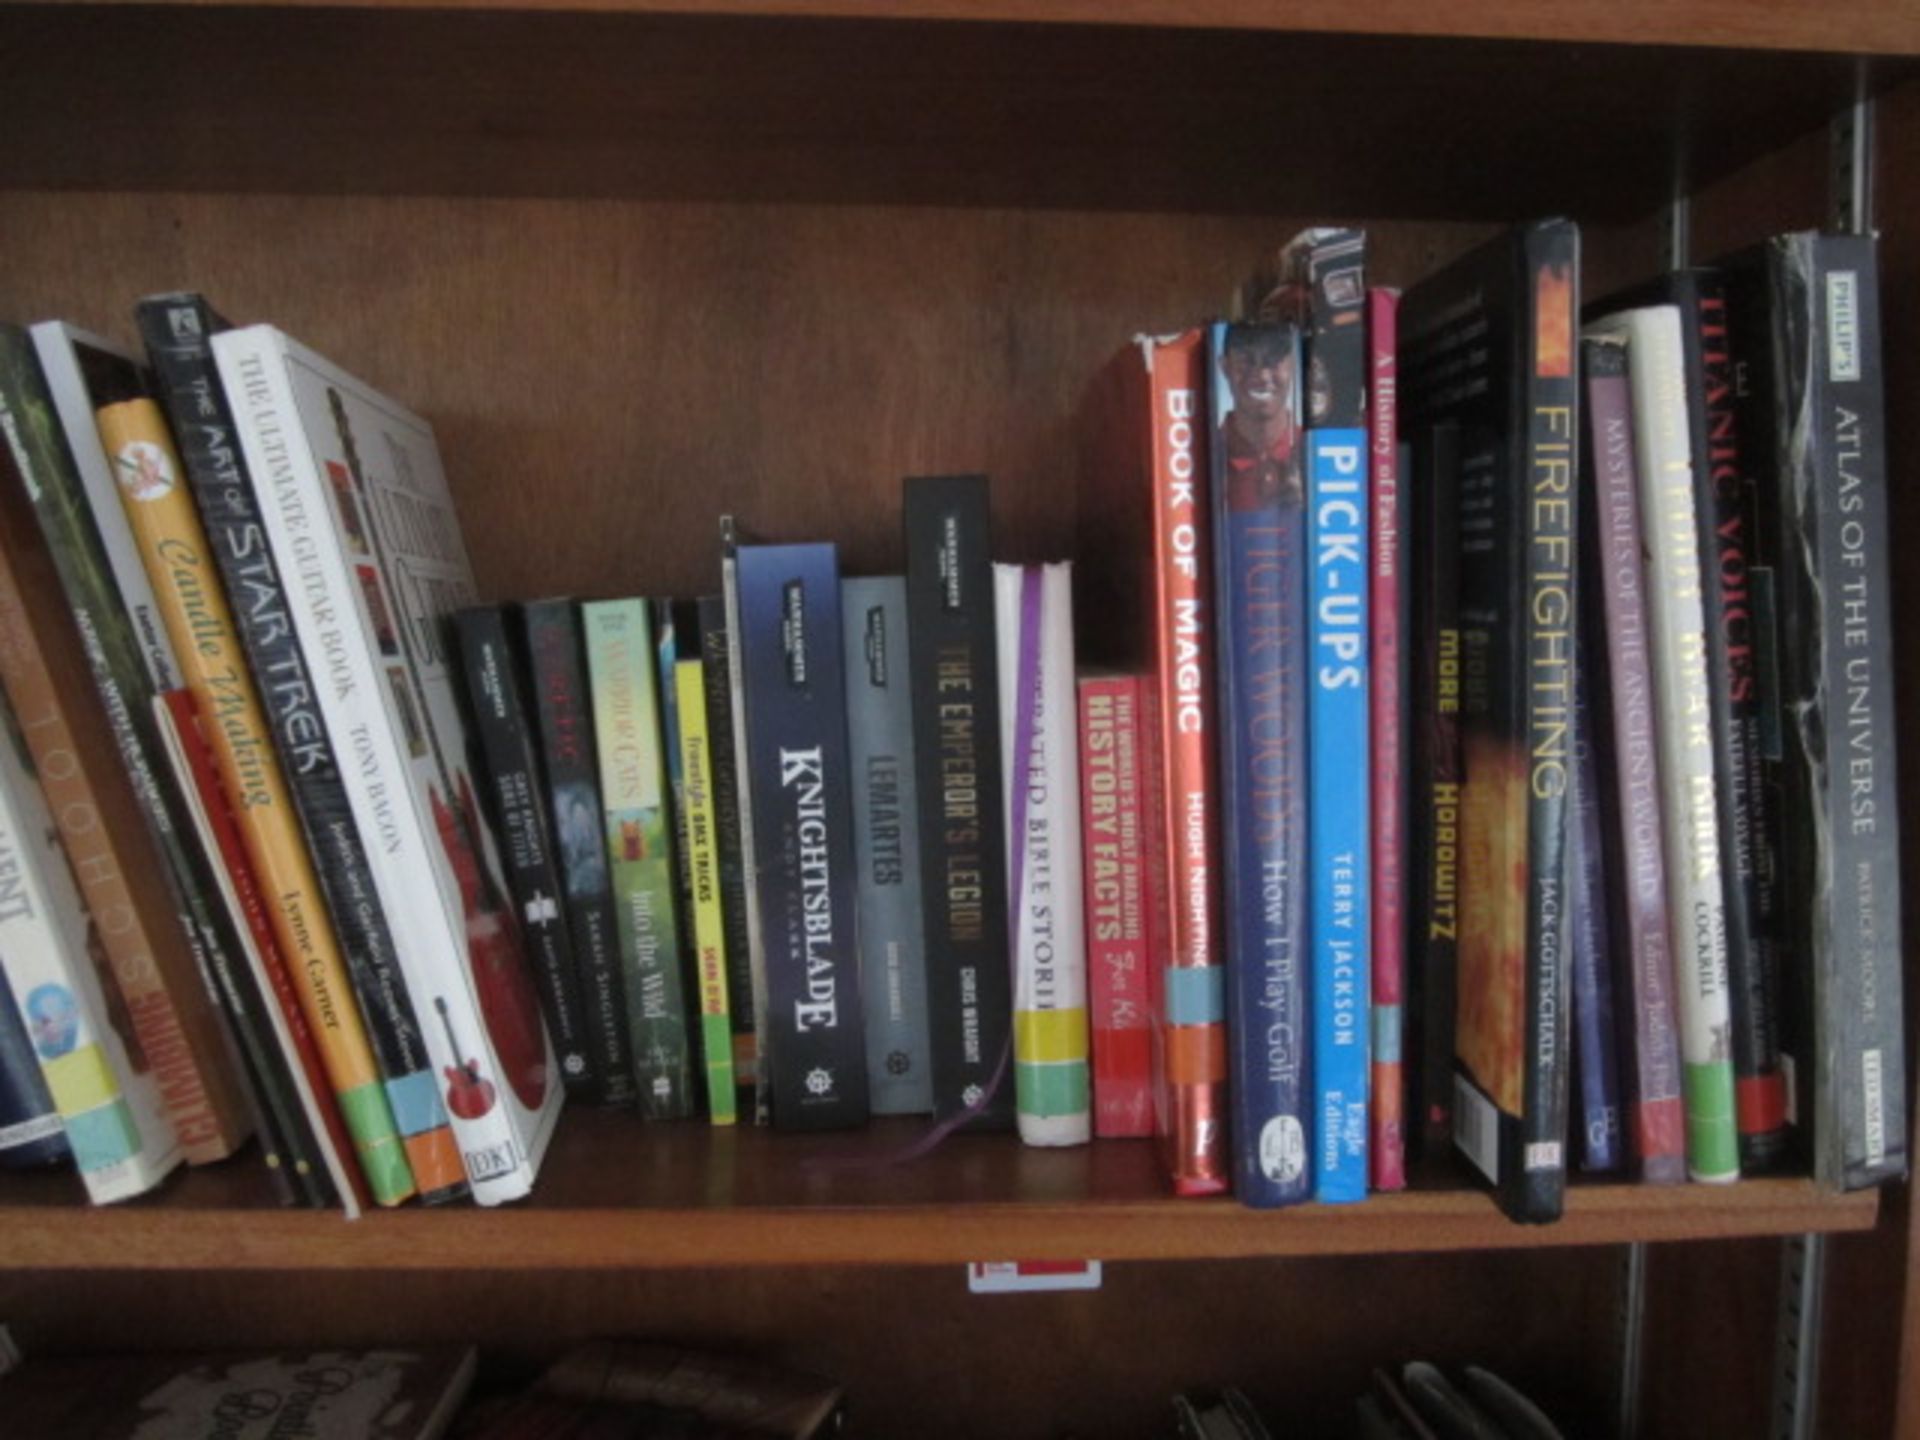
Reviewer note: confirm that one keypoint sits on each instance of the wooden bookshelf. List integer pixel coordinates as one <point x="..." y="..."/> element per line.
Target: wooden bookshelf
<point x="640" y="261"/>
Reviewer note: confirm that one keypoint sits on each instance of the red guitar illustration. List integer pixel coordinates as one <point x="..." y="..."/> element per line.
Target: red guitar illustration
<point x="468" y="1096"/>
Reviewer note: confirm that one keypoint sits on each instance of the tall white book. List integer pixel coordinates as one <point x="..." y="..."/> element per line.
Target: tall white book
<point x="1039" y="740"/>
<point x="358" y="514"/>
<point x="122" y="1142"/>
<point x="1696" y="908"/>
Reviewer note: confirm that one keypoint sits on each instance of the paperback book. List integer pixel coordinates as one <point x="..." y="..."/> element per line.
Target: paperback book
<point x="716" y="660"/>
<point x="703" y="878"/>
<point x="31" y="1134"/>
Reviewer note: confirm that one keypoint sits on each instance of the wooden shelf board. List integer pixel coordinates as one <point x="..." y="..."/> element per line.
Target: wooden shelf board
<point x="617" y="1195"/>
<point x="1886" y="27"/>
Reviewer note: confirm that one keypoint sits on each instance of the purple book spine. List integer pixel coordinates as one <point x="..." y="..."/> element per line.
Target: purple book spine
<point x="1595" y="1034"/>
<point x="1625" y="736"/>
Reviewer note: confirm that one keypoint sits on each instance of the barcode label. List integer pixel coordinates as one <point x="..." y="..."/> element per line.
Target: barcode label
<point x="491" y="1162"/>
<point x="1476" y="1128"/>
<point x="1874" y="1097"/>
<point x="1543" y="1155"/>
<point x="1792" y="1079"/>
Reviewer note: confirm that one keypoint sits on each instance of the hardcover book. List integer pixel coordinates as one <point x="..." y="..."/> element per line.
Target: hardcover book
<point x="1119" y="923"/>
<point x="637" y="822"/>
<point x="66" y="583"/>
<point x="1824" y="501"/>
<point x="1033" y="615"/>
<point x="1723" y="483"/>
<point x="1260" y="552"/>
<point x="1683" y="730"/>
<point x="358" y="513"/>
<point x="886" y="837"/>
<point x="556" y="667"/>
<point x="31" y="1134"/>
<point x="1388" y="691"/>
<point x="109" y="1102"/>
<point x="1326" y="269"/>
<point x="516" y="805"/>
<point x="193" y="607"/>
<point x="716" y="671"/>
<point x="703" y="878"/>
<point x="1146" y="547"/>
<point x="796" y="706"/>
<point x="956" y="715"/>
<point x="1614" y="606"/>
<point x="178" y="331"/>
<point x="1489" y="346"/>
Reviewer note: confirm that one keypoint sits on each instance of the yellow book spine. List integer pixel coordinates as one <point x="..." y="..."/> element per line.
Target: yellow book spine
<point x="186" y="582"/>
<point x="703" y="856"/>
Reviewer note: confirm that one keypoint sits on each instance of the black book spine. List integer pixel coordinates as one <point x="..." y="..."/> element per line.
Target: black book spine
<point x="556" y="666"/>
<point x="1434" y="942"/>
<point x="714" y="648"/>
<point x="517" y="802"/>
<point x="1842" y="818"/>
<point x="956" y="739"/>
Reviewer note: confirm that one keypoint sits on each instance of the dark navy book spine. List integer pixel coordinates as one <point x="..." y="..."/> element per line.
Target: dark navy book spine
<point x="30" y="1129"/>
<point x="715" y="643"/>
<point x="1596" y="1034"/>
<point x="797" y="763"/>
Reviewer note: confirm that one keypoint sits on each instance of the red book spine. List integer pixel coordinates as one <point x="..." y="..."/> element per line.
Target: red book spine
<point x="1118" y="917"/>
<point x="1192" y="987"/>
<point x="233" y="858"/>
<point x="1386" y="1150"/>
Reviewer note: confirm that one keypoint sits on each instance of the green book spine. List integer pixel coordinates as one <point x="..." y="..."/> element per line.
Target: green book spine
<point x="633" y="797"/>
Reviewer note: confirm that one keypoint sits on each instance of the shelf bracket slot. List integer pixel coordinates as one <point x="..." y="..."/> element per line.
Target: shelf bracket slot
<point x="1850" y="162"/>
<point x="1633" y="1327"/>
<point x="1796" y="1361"/>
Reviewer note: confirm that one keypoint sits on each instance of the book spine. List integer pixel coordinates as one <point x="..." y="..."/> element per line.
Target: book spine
<point x="121" y="1140"/>
<point x="1387" y="693"/>
<point x="557" y="670"/>
<point x="743" y="789"/>
<point x="193" y="606"/>
<point x="1843" y="817"/>
<point x="703" y="872"/>
<point x="790" y="649"/>
<point x="1590" y="939"/>
<point x="31" y="1132"/>
<point x="72" y="549"/>
<point x="1622" y="712"/>
<point x="1695" y="895"/>
<point x="1723" y="495"/>
<point x="956" y="716"/>
<point x="1435" y="926"/>
<point x="1191" y="986"/>
<point x="1260" y="548"/>
<point x="177" y="331"/>
<point x="1113" y="846"/>
<point x="1330" y="266"/>
<point x="1033" y="616"/>
<point x="324" y="1150"/>
<point x="886" y="834"/>
<point x="715" y="654"/>
<point x="387" y="703"/>
<point x="638" y="825"/>
<point x="205" y="1118"/>
<point x="519" y="814"/>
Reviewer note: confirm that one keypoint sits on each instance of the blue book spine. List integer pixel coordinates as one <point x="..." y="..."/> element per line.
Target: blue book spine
<point x="30" y="1130"/>
<point x="1595" y="1037"/>
<point x="804" y="861"/>
<point x="1260" y="533"/>
<point x="1338" y="806"/>
<point x="886" y="816"/>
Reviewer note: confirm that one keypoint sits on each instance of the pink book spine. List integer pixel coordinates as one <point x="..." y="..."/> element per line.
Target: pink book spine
<point x="1118" y="914"/>
<point x="1387" y="1149"/>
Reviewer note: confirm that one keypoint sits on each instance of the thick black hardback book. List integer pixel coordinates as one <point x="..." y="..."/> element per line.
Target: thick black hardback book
<point x="1489" y="343"/>
<point x="517" y="804"/>
<point x="804" y="859"/>
<point x="1814" y="302"/>
<point x="556" y="669"/>
<point x="714" y="648"/>
<point x="1723" y="506"/>
<point x="956" y="740"/>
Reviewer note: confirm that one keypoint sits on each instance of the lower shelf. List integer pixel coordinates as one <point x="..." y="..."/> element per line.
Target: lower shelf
<point x="616" y="1194"/>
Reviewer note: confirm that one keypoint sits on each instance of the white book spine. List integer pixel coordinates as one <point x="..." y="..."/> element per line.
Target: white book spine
<point x="1039" y="739"/>
<point x="1696" y="913"/>
<point x="122" y="1142"/>
<point x="58" y="347"/>
<point x="376" y="721"/>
